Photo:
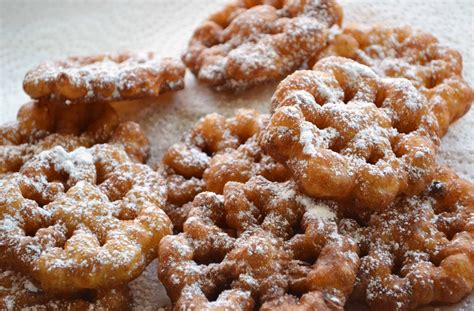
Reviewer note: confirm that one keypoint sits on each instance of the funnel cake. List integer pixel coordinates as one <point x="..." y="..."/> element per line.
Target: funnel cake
<point x="401" y="52"/>
<point x="348" y="135"/>
<point x="17" y="292"/>
<point x="251" y="42"/>
<point x="42" y="125"/>
<point x="215" y="151"/>
<point x="105" y="77"/>
<point x="88" y="219"/>
<point x="421" y="249"/>
<point x="259" y="245"/>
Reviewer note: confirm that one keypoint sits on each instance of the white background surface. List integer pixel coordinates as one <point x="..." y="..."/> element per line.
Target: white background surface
<point x="34" y="31"/>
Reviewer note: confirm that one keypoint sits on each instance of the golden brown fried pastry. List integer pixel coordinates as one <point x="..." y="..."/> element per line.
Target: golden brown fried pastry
<point x="421" y="249"/>
<point x="260" y="244"/>
<point x="18" y="292"/>
<point x="86" y="219"/>
<point x="346" y="134"/>
<point x="401" y="52"/>
<point x="251" y="42"/>
<point x="215" y="151"/>
<point x="105" y="77"/>
<point x="42" y="125"/>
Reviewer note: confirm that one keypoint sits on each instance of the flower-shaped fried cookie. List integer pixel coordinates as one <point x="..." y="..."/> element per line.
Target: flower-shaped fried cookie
<point x="260" y="244"/>
<point x="251" y="42"/>
<point x="421" y="249"/>
<point x="105" y="77"/>
<point x="402" y="52"/>
<point x="87" y="219"/>
<point x="347" y="134"/>
<point x="216" y="150"/>
<point x="42" y="125"/>
<point x="17" y="292"/>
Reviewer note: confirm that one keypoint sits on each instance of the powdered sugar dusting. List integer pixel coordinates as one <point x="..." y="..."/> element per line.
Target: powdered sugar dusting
<point x="68" y="162"/>
<point x="317" y="210"/>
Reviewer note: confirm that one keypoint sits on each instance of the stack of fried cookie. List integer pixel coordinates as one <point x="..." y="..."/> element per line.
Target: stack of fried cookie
<point x="333" y="197"/>
<point x="80" y="214"/>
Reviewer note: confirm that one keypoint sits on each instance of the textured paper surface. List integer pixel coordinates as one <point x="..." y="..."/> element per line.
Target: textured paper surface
<point x="34" y="31"/>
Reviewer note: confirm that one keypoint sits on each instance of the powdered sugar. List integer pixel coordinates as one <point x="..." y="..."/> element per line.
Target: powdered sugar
<point x="69" y="162"/>
<point x="316" y="210"/>
<point x="307" y="138"/>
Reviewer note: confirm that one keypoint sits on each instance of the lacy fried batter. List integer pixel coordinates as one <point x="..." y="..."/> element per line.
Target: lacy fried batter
<point x="259" y="245"/>
<point x="216" y="150"/>
<point x="349" y="135"/>
<point x="251" y="42"/>
<point x="402" y="52"/>
<point x="105" y="77"/>
<point x="17" y="292"/>
<point x="42" y="125"/>
<point x="82" y="220"/>
<point x="421" y="249"/>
